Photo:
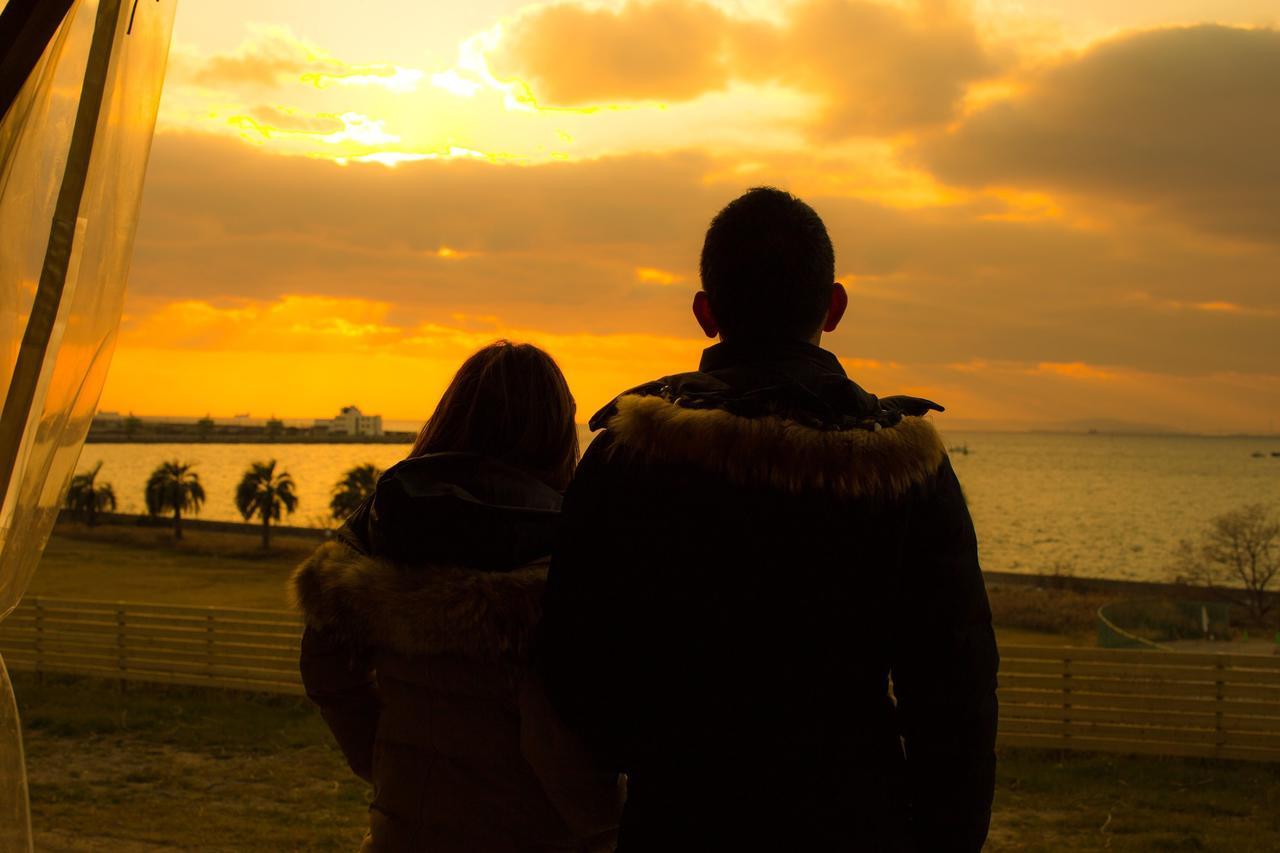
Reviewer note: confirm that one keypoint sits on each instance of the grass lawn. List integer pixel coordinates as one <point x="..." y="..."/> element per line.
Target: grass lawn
<point x="231" y="570"/>
<point x="1024" y="637"/>
<point x="158" y="768"/>
<point x="1076" y="801"/>
<point x="145" y="564"/>
<point x="168" y="768"/>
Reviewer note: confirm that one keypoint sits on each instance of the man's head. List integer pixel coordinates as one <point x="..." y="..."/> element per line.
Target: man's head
<point x="768" y="271"/>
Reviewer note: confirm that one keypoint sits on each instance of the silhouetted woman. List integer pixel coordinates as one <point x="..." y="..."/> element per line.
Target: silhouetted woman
<point x="419" y="619"/>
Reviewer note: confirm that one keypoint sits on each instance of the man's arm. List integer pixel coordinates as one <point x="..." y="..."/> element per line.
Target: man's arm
<point x="580" y="654"/>
<point x="944" y="672"/>
<point x="340" y="681"/>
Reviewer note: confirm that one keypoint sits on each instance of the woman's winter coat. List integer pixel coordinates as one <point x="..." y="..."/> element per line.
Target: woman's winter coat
<point x="419" y="620"/>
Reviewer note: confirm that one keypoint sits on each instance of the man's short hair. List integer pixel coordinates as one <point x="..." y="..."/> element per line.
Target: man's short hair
<point x="768" y="267"/>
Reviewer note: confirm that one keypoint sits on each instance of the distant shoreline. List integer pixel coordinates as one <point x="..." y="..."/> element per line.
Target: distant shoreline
<point x="944" y="426"/>
<point x="1132" y="587"/>
<point x="385" y="438"/>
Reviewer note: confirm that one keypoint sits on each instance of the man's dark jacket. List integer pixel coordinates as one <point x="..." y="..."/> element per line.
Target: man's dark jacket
<point x="748" y="555"/>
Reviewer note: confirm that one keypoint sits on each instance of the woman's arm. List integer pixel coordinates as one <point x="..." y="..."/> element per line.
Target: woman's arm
<point x="588" y="796"/>
<point x="341" y="681"/>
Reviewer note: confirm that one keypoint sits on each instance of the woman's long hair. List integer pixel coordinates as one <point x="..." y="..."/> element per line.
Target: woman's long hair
<point x="511" y="402"/>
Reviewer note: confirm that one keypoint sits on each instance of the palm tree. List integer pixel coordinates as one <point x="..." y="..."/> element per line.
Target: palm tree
<point x="263" y="492"/>
<point x="174" y="486"/>
<point x="87" y="497"/>
<point x="353" y="489"/>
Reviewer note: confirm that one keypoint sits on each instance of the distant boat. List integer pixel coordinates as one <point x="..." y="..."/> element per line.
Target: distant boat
<point x="1276" y="453"/>
<point x="1258" y="454"/>
<point x="963" y="449"/>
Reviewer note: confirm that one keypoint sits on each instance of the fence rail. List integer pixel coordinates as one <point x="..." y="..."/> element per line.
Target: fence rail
<point x="209" y="646"/>
<point x="1155" y="702"/>
<point x="1163" y="703"/>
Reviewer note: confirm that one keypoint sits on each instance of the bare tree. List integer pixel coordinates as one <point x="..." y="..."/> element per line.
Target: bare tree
<point x="1237" y="556"/>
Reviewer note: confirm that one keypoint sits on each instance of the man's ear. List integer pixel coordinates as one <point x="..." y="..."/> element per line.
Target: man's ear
<point x="835" y="311"/>
<point x="703" y="314"/>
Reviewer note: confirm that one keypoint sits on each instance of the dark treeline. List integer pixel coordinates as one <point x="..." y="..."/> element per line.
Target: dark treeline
<point x="133" y="430"/>
<point x="265" y="494"/>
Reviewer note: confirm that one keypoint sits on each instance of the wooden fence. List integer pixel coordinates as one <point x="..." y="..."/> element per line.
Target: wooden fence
<point x="1162" y="703"/>
<point x="209" y="646"/>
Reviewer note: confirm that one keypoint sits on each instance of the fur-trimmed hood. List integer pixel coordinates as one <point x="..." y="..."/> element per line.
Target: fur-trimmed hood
<point x="420" y="610"/>
<point x="782" y="415"/>
<point x="779" y="452"/>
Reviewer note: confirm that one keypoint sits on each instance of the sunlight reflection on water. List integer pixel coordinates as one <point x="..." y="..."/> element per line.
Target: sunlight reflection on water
<point x="1105" y="505"/>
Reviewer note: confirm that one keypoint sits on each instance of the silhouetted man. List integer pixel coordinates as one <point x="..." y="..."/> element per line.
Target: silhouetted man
<point x="750" y="552"/>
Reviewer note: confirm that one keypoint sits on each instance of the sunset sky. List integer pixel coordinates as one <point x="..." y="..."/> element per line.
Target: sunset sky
<point x="1045" y="211"/>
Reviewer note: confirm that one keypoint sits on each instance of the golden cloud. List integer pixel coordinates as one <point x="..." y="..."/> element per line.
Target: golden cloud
<point x="669" y="50"/>
<point x="299" y="355"/>
<point x="1181" y="122"/>
<point x="196" y="355"/>
<point x="875" y="68"/>
<point x="267" y="121"/>
<point x="555" y="249"/>
<point x="653" y="275"/>
<point x="291" y="323"/>
<point x="1074" y="370"/>
<point x="273" y="55"/>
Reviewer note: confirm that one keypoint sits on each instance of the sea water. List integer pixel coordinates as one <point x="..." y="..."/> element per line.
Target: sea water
<point x="1112" y="506"/>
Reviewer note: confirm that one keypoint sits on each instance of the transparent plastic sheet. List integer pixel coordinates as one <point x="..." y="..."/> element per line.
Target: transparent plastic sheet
<point x="15" y="821"/>
<point x="35" y="138"/>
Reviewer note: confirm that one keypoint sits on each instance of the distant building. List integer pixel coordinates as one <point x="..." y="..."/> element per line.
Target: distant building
<point x="351" y="421"/>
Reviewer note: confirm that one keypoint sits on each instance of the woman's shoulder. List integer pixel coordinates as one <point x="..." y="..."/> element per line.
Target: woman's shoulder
<point x="420" y="609"/>
<point x="459" y="509"/>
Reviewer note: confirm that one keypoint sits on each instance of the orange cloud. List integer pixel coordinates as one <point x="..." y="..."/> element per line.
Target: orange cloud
<point x="875" y="68"/>
<point x="298" y="356"/>
<point x="652" y="275"/>
<point x="289" y="324"/>
<point x="1221" y="307"/>
<point x="303" y="354"/>
<point x="1074" y="370"/>
<point x="1178" y="122"/>
<point x="668" y="50"/>
<point x="274" y="55"/>
<point x="267" y="121"/>
<point x="553" y="250"/>
<point x="1208" y="306"/>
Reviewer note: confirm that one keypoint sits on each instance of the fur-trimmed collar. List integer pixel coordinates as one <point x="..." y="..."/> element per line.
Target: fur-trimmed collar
<point x="424" y="610"/>
<point x="777" y="452"/>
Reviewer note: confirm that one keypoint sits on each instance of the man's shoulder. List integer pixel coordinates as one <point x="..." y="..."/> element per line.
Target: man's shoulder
<point x="679" y="420"/>
<point x="676" y="386"/>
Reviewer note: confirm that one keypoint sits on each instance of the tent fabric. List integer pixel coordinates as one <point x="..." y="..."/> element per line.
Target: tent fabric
<point x="26" y="27"/>
<point x="63" y="265"/>
<point x="42" y="319"/>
